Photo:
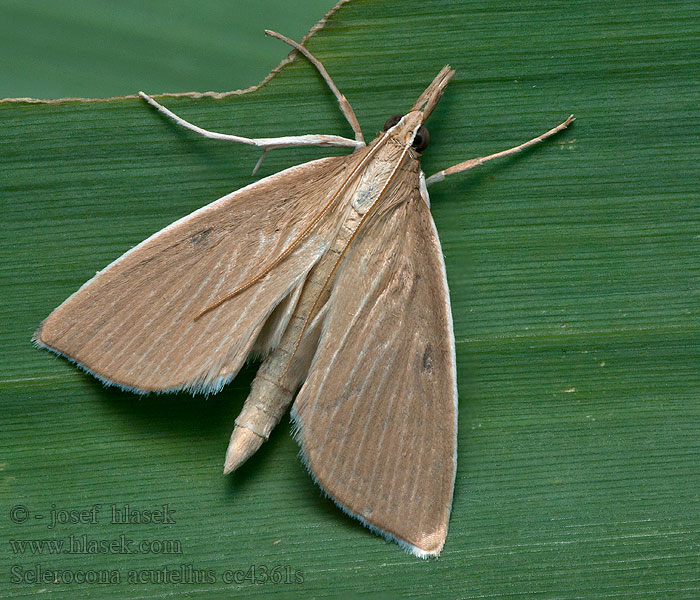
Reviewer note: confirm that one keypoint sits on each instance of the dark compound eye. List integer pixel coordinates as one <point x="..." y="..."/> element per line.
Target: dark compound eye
<point x="391" y="121"/>
<point x="420" y="142"/>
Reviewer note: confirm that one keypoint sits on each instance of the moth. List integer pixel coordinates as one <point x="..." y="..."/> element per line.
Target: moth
<point x="332" y="271"/>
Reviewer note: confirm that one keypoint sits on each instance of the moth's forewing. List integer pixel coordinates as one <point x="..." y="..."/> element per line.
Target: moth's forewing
<point x="133" y="324"/>
<point x="377" y="415"/>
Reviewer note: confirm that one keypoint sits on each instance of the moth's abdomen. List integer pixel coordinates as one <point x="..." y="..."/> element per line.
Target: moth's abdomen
<point x="261" y="412"/>
<point x="265" y="406"/>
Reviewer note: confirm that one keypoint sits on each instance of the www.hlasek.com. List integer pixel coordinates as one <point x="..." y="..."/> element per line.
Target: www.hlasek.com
<point x="84" y="544"/>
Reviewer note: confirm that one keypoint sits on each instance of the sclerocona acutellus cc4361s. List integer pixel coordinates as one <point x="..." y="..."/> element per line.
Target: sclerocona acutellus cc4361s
<point x="331" y="270"/>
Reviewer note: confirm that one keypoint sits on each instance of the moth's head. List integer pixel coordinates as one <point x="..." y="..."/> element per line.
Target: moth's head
<point x="408" y="129"/>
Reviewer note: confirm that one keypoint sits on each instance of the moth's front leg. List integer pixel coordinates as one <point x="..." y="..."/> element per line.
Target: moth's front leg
<point x="475" y="162"/>
<point x="264" y="143"/>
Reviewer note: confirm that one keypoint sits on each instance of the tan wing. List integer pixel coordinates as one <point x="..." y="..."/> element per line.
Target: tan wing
<point x="377" y="415"/>
<point x="133" y="324"/>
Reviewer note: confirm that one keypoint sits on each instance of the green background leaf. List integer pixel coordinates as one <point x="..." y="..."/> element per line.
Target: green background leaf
<point x="574" y="282"/>
<point x="93" y="48"/>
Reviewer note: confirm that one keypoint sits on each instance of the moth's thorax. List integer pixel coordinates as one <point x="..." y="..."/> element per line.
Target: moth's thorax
<point x="405" y="130"/>
<point x="390" y="161"/>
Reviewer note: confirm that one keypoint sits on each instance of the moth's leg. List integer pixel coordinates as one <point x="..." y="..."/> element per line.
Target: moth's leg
<point x="265" y="143"/>
<point x="342" y="100"/>
<point x="475" y="162"/>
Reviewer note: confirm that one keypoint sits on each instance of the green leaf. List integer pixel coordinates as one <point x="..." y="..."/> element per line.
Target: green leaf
<point x="82" y="48"/>
<point x="574" y="280"/>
